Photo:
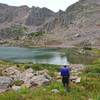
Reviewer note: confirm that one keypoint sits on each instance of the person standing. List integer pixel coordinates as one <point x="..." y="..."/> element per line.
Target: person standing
<point x="65" y="73"/>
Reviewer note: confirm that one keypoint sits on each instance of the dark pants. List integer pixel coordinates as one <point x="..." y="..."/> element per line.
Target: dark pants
<point x="65" y="81"/>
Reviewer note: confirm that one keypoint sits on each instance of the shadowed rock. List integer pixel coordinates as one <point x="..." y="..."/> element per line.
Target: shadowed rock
<point x="5" y="83"/>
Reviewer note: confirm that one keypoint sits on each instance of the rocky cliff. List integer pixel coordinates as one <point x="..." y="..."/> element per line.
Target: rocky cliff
<point x="80" y="22"/>
<point x="90" y="1"/>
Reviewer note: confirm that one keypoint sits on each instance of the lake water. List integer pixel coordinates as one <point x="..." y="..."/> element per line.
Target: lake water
<point x="33" y="55"/>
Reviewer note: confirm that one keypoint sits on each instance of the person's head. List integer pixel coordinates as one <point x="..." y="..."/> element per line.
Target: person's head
<point x="65" y="66"/>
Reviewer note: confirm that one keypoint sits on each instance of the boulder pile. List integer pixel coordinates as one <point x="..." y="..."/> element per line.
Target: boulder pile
<point x="15" y="79"/>
<point x="28" y="78"/>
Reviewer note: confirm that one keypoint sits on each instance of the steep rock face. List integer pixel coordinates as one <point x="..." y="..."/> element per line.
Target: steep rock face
<point x="80" y="14"/>
<point x="79" y="22"/>
<point x="90" y="1"/>
<point x="11" y="13"/>
<point x="38" y="16"/>
<point x="85" y="20"/>
<point x="58" y="21"/>
<point x="23" y="15"/>
<point x="6" y="13"/>
<point x="46" y="20"/>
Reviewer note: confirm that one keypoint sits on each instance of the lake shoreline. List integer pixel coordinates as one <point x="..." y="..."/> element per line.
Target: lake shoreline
<point x="48" y="55"/>
<point x="46" y="46"/>
<point x="33" y="55"/>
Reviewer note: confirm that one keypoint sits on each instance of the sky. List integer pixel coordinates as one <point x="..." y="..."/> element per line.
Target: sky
<point x="54" y="5"/>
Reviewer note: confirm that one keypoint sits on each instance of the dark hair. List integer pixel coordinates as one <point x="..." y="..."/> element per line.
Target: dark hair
<point x="65" y="66"/>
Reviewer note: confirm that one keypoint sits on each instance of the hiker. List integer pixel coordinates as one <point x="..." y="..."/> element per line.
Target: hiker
<point x="65" y="73"/>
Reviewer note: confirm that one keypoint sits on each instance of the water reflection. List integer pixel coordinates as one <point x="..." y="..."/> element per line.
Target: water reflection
<point x="29" y="55"/>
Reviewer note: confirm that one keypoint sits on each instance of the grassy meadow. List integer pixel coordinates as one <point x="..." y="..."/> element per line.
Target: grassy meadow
<point x="87" y="89"/>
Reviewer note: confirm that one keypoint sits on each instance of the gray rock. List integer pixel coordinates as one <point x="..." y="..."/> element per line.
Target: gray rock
<point x="75" y="79"/>
<point x="5" y="83"/>
<point x="55" y="91"/>
<point x="3" y="90"/>
<point x="16" y="88"/>
<point x="33" y="84"/>
<point x="90" y="1"/>
<point x="40" y="80"/>
<point x="11" y="71"/>
<point x="38" y="16"/>
<point x="78" y="80"/>
<point x="43" y="72"/>
<point x="77" y="35"/>
<point x="77" y="67"/>
<point x="29" y="70"/>
<point x="28" y="76"/>
<point x="63" y="24"/>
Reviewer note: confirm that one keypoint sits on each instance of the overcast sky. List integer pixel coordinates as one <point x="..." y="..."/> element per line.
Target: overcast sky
<point x="54" y="5"/>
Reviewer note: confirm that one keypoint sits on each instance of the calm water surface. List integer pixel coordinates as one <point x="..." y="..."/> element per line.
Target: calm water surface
<point x="33" y="55"/>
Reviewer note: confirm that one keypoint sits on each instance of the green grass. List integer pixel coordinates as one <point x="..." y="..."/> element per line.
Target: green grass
<point x="89" y="87"/>
<point x="76" y="56"/>
<point x="18" y="82"/>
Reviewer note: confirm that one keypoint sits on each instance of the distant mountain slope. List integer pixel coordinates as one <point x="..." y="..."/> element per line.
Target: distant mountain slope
<point x="80" y="22"/>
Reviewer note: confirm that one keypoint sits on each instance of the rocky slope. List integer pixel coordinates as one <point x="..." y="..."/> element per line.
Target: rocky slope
<point x="80" y="22"/>
<point x="12" y="78"/>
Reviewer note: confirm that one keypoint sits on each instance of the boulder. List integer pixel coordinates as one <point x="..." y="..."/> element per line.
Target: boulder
<point x="40" y="80"/>
<point x="12" y="72"/>
<point x="75" y="79"/>
<point x="3" y="90"/>
<point x="5" y="83"/>
<point x="16" y="88"/>
<point x="55" y="91"/>
<point x="33" y="84"/>
<point x="76" y="68"/>
<point x="27" y="75"/>
<point x="57" y="75"/>
<point x="42" y="72"/>
<point x="77" y="35"/>
<point x="1" y="69"/>
<point x="29" y="70"/>
<point x="78" y="80"/>
<point x="47" y="76"/>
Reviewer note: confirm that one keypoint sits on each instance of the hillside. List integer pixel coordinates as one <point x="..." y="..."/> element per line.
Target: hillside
<point x="19" y="26"/>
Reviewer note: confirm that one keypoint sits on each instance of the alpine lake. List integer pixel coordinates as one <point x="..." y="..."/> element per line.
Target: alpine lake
<point x="43" y="55"/>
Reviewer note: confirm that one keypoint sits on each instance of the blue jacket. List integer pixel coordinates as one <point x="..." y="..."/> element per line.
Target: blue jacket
<point x="65" y="71"/>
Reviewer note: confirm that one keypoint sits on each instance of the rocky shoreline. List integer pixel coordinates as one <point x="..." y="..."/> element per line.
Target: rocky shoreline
<point x="14" y="79"/>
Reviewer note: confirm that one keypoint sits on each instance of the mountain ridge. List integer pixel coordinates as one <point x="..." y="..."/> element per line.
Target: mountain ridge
<point x="79" y="22"/>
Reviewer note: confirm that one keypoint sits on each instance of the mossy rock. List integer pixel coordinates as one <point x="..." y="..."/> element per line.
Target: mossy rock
<point x="18" y="82"/>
